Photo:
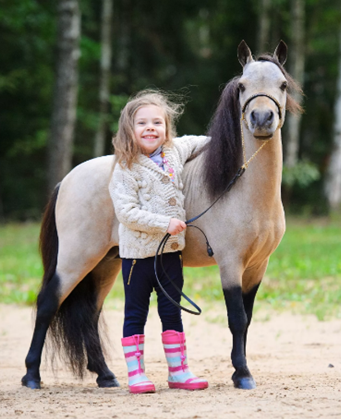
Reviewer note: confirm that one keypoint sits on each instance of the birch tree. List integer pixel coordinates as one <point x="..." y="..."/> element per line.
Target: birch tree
<point x="105" y="66"/>
<point x="297" y="54"/>
<point x="333" y="180"/>
<point x="65" y="92"/>
<point x="264" y="25"/>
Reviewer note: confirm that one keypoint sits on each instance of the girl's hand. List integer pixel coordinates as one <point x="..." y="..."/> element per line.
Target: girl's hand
<point x="176" y="226"/>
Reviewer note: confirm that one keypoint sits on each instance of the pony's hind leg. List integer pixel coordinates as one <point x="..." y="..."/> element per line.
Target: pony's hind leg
<point x="47" y="306"/>
<point x="48" y="299"/>
<point x="248" y="300"/>
<point x="251" y="281"/>
<point x="105" y="274"/>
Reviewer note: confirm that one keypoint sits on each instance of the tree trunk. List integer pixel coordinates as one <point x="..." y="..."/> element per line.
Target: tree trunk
<point x="65" y="92"/>
<point x="104" y="90"/>
<point x="297" y="55"/>
<point x="2" y="214"/>
<point x="333" y="180"/>
<point x="264" y="25"/>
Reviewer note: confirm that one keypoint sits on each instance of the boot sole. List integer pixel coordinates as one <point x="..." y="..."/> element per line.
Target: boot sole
<point x="148" y="388"/>
<point x="188" y="386"/>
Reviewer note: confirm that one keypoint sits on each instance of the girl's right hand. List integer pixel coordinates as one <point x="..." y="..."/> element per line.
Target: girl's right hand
<point x="176" y="226"/>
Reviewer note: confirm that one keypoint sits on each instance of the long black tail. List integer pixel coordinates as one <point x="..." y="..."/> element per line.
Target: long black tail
<point x="73" y="331"/>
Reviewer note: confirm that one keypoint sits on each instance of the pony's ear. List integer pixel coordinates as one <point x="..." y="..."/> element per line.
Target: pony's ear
<point x="281" y="52"/>
<point x="244" y="53"/>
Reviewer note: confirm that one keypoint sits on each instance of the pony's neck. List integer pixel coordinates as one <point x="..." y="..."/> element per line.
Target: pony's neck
<point x="264" y="172"/>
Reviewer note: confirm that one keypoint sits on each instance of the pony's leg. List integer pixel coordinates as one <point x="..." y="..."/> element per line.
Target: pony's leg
<point x="47" y="306"/>
<point x="48" y="300"/>
<point x="248" y="300"/>
<point x="251" y="281"/>
<point x="105" y="273"/>
<point x="58" y="304"/>
<point x="238" y="321"/>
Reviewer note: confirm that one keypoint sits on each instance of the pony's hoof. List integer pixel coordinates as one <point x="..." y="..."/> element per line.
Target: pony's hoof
<point x="108" y="382"/>
<point x="30" y="383"/>
<point x="244" y="383"/>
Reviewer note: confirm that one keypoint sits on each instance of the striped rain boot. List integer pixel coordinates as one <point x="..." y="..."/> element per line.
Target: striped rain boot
<point x="174" y="344"/>
<point x="133" y="347"/>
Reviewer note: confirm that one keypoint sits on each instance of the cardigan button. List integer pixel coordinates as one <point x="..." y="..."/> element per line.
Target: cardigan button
<point x="165" y="180"/>
<point x="174" y="246"/>
<point x="172" y="202"/>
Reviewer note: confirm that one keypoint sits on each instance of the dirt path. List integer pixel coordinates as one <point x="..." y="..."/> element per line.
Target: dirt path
<point x="289" y="357"/>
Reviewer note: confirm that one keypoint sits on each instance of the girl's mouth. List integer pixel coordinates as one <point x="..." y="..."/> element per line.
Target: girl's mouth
<point x="149" y="137"/>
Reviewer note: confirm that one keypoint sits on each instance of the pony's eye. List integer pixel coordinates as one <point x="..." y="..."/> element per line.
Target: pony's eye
<point x="241" y="87"/>
<point x="284" y="85"/>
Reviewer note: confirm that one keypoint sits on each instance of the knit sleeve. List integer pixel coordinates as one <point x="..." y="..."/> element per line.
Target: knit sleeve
<point x="123" y="190"/>
<point x="190" y="144"/>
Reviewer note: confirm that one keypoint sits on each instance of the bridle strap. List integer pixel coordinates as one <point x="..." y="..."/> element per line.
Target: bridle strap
<point x="280" y="108"/>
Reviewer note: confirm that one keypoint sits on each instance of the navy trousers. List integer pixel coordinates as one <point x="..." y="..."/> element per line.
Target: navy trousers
<point x="140" y="281"/>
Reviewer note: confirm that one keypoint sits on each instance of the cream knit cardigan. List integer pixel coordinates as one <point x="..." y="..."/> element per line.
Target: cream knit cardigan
<point x="145" y="199"/>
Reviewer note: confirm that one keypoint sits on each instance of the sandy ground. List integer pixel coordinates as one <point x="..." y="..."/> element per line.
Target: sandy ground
<point x="295" y="360"/>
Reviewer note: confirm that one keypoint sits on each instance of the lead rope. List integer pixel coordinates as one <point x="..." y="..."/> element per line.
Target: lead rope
<point x="246" y="163"/>
<point x="239" y="174"/>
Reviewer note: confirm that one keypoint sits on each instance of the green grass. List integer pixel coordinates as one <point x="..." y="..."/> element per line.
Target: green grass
<point x="304" y="273"/>
<point x="20" y="263"/>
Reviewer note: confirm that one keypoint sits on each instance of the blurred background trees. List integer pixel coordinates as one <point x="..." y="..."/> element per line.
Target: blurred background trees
<point x="187" y="47"/>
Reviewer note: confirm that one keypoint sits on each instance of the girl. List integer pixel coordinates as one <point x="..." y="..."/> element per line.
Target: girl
<point x="146" y="190"/>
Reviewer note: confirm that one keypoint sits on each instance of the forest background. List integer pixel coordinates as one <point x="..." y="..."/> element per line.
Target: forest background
<point x="184" y="46"/>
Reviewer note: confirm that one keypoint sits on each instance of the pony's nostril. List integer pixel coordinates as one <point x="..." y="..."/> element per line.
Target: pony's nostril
<point x="271" y="116"/>
<point x="253" y="117"/>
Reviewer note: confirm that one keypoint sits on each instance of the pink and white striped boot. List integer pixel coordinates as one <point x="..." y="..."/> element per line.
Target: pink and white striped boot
<point x="174" y="344"/>
<point x="133" y="347"/>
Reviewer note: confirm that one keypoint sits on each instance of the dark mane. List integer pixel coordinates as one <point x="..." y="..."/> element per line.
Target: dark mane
<point x="224" y="152"/>
<point x="223" y="155"/>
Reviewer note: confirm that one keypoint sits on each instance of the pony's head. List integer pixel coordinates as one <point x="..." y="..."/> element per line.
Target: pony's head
<point x="262" y="93"/>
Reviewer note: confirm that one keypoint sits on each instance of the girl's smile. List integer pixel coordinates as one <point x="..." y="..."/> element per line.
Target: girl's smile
<point x="149" y="128"/>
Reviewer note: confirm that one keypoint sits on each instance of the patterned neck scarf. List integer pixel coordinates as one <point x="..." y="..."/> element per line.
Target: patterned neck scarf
<point x="157" y="158"/>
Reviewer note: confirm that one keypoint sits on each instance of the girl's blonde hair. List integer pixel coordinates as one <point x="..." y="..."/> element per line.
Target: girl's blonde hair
<point x="124" y="142"/>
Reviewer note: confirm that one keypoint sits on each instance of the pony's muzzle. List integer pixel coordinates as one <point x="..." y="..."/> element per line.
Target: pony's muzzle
<point x="263" y="123"/>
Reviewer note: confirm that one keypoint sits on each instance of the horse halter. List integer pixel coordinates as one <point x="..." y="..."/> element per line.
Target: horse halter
<point x="242" y="118"/>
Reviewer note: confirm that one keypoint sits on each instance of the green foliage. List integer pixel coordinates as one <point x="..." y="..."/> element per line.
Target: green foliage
<point x="303" y="174"/>
<point x="304" y="273"/>
<point x="171" y="46"/>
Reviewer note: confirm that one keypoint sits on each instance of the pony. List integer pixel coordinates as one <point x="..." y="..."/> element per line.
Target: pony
<point x="79" y="232"/>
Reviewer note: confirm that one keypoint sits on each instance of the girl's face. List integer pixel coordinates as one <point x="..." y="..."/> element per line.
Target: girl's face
<point x="149" y="128"/>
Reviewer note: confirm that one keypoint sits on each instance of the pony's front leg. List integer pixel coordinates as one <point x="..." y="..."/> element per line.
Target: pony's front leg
<point x="47" y="306"/>
<point x="238" y="323"/>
